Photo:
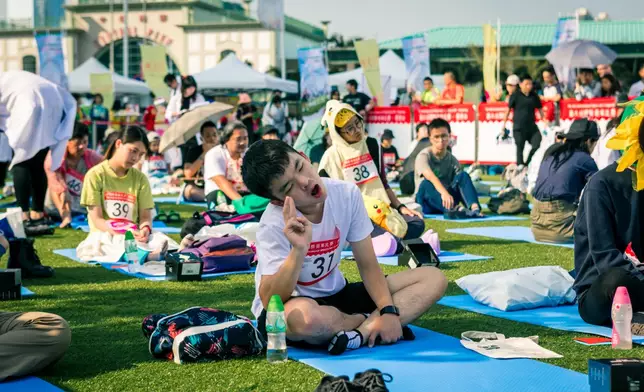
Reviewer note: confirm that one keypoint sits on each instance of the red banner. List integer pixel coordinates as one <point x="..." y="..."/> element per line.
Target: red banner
<point x="452" y="113"/>
<point x="495" y="111"/>
<point x="593" y="109"/>
<point x="389" y="115"/>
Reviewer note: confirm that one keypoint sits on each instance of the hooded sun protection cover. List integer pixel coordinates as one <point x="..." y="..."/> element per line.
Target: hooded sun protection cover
<point x="627" y="139"/>
<point x="353" y="163"/>
<point x="582" y="129"/>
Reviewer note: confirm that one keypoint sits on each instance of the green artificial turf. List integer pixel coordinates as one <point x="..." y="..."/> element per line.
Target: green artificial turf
<point x="105" y="310"/>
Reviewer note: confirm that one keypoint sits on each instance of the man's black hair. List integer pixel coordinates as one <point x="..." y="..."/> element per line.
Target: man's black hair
<point x="353" y="83"/>
<point x="525" y="77"/>
<point x="641" y="67"/>
<point x="265" y="161"/>
<point x="440" y="123"/>
<point x="428" y="79"/>
<point x="169" y="78"/>
<point x="80" y="131"/>
<point x="587" y="71"/>
<point x="207" y="124"/>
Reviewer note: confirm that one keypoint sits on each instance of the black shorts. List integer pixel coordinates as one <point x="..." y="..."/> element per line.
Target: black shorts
<point x="352" y="299"/>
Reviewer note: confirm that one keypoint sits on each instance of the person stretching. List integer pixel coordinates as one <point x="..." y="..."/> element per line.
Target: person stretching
<point x="300" y="237"/>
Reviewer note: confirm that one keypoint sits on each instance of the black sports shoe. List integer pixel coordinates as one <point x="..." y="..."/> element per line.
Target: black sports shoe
<point x="38" y="227"/>
<point x="345" y="340"/>
<point x="373" y="380"/>
<point x="637" y="325"/>
<point x="23" y="255"/>
<point x="338" y="384"/>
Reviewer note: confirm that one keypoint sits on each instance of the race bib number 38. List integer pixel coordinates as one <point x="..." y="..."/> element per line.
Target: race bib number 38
<point x="120" y="205"/>
<point x="360" y="170"/>
<point x="320" y="260"/>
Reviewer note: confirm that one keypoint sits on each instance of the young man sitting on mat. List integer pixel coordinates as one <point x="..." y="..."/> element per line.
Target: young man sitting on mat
<point x="300" y="238"/>
<point x="441" y="185"/>
<point x="609" y="237"/>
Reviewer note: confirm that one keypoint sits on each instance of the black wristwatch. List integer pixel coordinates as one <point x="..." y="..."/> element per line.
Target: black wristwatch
<point x="400" y="206"/>
<point x="391" y="309"/>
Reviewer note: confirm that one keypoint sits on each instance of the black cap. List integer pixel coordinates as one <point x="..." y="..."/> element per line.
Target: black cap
<point x="268" y="129"/>
<point x="387" y="134"/>
<point x="582" y="129"/>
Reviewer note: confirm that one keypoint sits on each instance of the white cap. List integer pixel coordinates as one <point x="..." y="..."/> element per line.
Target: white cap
<point x="513" y="80"/>
<point x="152" y="136"/>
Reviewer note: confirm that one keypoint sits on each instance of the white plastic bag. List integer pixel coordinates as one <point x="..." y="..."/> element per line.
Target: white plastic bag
<point x="522" y="288"/>
<point x="495" y="345"/>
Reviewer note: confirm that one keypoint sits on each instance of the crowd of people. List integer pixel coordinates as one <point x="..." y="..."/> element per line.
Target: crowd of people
<point x="314" y="205"/>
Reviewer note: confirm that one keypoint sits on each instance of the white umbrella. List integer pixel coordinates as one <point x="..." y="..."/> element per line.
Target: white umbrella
<point x="581" y="54"/>
<point x="187" y="126"/>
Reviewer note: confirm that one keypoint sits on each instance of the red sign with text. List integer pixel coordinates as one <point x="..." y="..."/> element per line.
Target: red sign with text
<point x="452" y="113"/>
<point x="389" y="115"/>
<point x="593" y="109"/>
<point x="495" y="111"/>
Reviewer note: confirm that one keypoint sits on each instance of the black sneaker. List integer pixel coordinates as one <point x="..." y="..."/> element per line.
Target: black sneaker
<point x="38" y="227"/>
<point x="338" y="384"/>
<point x="637" y="325"/>
<point x="22" y="254"/>
<point x="373" y="380"/>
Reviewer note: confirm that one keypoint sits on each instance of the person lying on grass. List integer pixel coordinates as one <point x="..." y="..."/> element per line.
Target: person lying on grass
<point x="299" y="241"/>
<point x="609" y="237"/>
<point x="118" y="196"/>
<point x="441" y="185"/>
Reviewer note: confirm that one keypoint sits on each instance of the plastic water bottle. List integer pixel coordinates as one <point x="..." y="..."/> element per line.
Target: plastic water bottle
<point x="276" y="331"/>
<point x="131" y="253"/>
<point x="622" y="313"/>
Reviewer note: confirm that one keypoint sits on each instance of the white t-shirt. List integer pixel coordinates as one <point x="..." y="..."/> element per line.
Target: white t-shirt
<point x="603" y="155"/>
<point x="344" y="219"/>
<point x="215" y="163"/>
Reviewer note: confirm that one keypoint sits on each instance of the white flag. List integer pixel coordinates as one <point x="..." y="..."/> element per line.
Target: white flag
<point x="271" y="13"/>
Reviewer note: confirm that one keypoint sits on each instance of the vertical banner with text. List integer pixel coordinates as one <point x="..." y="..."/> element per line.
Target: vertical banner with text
<point x="271" y="13"/>
<point x="416" y="53"/>
<point x="489" y="59"/>
<point x="101" y="83"/>
<point x="48" y="13"/>
<point x="567" y="30"/>
<point x="369" y="57"/>
<point x="154" y="69"/>
<point x="314" y="79"/>
<point x="52" y="59"/>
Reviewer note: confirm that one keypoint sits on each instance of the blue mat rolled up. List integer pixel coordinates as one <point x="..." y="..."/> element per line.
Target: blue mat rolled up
<point x="510" y="233"/>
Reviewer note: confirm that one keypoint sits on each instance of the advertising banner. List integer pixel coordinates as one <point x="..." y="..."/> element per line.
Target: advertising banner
<point x="314" y="79"/>
<point x="416" y="53"/>
<point x="369" y="57"/>
<point x="154" y="69"/>
<point x="52" y="59"/>
<point x="395" y="118"/>
<point x="462" y="120"/>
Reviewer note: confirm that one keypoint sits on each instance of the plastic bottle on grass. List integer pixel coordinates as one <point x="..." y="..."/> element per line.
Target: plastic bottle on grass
<point x="276" y="331"/>
<point x="131" y="253"/>
<point x="622" y="314"/>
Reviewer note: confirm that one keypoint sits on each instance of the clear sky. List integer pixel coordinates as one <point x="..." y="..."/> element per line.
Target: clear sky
<point x="384" y="19"/>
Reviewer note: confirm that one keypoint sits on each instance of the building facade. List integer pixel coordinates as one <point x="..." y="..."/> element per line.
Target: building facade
<point x="197" y="34"/>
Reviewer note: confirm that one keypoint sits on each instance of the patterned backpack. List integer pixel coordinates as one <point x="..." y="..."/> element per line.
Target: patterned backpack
<point x="201" y="334"/>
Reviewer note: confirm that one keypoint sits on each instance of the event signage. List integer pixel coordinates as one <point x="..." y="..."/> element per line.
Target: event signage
<point x="101" y="83"/>
<point x="395" y="118"/>
<point x="462" y="119"/>
<point x="52" y="58"/>
<point x="369" y="57"/>
<point x="416" y="53"/>
<point x="314" y="79"/>
<point x="489" y="58"/>
<point x="271" y="13"/>
<point x="105" y="37"/>
<point x="154" y="69"/>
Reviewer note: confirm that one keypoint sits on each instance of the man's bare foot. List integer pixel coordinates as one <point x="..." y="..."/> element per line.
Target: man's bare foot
<point x="160" y="254"/>
<point x="66" y="222"/>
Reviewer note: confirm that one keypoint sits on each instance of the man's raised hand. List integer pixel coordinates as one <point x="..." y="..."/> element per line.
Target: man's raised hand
<point x="296" y="228"/>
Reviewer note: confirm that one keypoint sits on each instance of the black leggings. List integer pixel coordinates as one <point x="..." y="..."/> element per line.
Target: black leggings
<point x="595" y="305"/>
<point x="530" y="135"/>
<point x="3" y="173"/>
<point x="30" y="182"/>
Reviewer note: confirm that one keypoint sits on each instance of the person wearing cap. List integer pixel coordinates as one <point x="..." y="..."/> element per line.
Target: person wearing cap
<point x="390" y="157"/>
<point x="566" y="168"/>
<point x="609" y="236"/>
<point x="154" y="164"/>
<point x="357" y="158"/>
<point x="511" y="85"/>
<point x="66" y="182"/>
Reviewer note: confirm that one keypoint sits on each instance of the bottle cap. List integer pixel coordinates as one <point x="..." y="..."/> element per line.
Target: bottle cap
<point x="275" y="304"/>
<point x="129" y="236"/>
<point x="621" y="296"/>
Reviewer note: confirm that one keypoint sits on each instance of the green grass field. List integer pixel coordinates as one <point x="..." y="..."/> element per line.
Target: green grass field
<point x="109" y="352"/>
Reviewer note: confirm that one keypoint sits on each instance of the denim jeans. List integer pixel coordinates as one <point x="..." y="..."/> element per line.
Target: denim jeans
<point x="462" y="190"/>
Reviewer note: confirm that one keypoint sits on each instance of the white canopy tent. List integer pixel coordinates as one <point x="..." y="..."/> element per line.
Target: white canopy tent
<point x="233" y="74"/>
<point x="79" y="80"/>
<point x="393" y="74"/>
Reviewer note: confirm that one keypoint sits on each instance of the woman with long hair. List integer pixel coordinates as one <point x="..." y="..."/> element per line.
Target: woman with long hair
<point x="610" y="86"/>
<point x="566" y="168"/>
<point x="188" y="99"/>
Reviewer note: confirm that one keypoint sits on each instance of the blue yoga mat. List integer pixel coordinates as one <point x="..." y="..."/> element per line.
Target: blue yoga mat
<point x="394" y="184"/>
<point x="26" y="293"/>
<point x="436" y="362"/>
<point x="174" y="200"/>
<point x="71" y="254"/>
<point x="487" y="218"/>
<point x="156" y="226"/>
<point x="444" y="257"/>
<point x="564" y="318"/>
<point x="9" y="204"/>
<point x="28" y="384"/>
<point x="511" y="233"/>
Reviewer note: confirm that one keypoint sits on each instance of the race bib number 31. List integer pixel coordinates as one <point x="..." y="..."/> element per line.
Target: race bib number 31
<point x="360" y="170"/>
<point x="120" y="205"/>
<point x="320" y="260"/>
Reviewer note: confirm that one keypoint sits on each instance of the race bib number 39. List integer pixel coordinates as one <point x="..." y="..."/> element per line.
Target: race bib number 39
<point x="120" y="205"/>
<point x="360" y="170"/>
<point x="320" y="260"/>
